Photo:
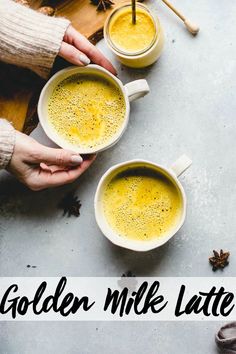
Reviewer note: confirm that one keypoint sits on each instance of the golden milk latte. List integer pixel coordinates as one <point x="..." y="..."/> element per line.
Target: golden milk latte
<point x="87" y="110"/>
<point x="130" y="37"/>
<point x="141" y="204"/>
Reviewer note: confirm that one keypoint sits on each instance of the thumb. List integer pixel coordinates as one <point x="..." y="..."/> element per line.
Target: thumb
<point x="59" y="157"/>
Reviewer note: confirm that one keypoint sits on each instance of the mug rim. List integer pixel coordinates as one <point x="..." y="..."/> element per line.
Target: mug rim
<point x="54" y="136"/>
<point x="135" y="245"/>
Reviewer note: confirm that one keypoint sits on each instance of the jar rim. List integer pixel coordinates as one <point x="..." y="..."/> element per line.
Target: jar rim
<point x="111" y="43"/>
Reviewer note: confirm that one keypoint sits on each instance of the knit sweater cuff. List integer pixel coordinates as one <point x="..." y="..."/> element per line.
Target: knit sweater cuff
<point x="7" y="142"/>
<point x="28" y="38"/>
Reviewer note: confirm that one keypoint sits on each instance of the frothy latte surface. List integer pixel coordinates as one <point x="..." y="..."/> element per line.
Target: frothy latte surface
<point x="141" y="204"/>
<point x="86" y="110"/>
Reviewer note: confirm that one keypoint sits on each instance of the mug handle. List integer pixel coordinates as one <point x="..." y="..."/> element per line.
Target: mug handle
<point x="137" y="89"/>
<point x="181" y="165"/>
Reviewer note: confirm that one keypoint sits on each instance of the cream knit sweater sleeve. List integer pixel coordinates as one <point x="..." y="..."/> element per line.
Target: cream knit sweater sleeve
<point x="28" y="38"/>
<point x="31" y="40"/>
<point x="7" y="142"/>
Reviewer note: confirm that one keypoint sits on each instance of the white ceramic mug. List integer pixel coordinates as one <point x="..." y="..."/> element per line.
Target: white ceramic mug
<point x="171" y="173"/>
<point x="131" y="91"/>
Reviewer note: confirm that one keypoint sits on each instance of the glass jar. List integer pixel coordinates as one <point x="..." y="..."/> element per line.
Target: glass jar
<point x="136" y="45"/>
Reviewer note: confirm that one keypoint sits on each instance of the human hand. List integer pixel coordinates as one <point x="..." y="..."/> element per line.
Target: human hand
<point x="77" y="49"/>
<point x="39" y="167"/>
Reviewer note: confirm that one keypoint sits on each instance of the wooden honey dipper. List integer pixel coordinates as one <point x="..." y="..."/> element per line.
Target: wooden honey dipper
<point x="191" y="27"/>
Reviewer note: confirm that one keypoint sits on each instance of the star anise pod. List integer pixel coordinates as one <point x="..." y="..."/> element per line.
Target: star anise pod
<point x="128" y="274"/>
<point x="128" y="280"/>
<point x="70" y="205"/>
<point x="219" y="260"/>
<point x="102" y="4"/>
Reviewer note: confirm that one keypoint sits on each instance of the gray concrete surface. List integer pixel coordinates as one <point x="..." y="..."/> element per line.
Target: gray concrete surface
<point x="191" y="109"/>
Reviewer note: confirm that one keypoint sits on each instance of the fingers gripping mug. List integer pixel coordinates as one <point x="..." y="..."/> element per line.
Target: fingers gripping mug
<point x="128" y="93"/>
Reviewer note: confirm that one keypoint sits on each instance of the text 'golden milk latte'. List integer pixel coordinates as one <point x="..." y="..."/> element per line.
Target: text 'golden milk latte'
<point x="87" y="110"/>
<point x="141" y="204"/>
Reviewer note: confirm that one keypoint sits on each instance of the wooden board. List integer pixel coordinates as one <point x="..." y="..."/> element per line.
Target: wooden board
<point x="20" y="88"/>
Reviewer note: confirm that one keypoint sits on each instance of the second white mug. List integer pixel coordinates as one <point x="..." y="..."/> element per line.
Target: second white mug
<point x="171" y="173"/>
